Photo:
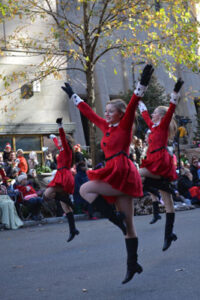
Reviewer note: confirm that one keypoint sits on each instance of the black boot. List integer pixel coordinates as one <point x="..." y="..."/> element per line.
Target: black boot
<point x="72" y="229"/>
<point x="169" y="235"/>
<point x="107" y="211"/>
<point x="156" y="215"/>
<point x="132" y="265"/>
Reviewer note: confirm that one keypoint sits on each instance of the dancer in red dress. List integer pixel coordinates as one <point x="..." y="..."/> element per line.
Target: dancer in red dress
<point x="63" y="183"/>
<point x="119" y="178"/>
<point x="159" y="164"/>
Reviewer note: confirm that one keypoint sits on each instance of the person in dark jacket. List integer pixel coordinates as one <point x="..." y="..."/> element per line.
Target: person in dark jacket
<point x="6" y="152"/>
<point x="185" y="183"/>
<point x="194" y="171"/>
<point x="80" y="178"/>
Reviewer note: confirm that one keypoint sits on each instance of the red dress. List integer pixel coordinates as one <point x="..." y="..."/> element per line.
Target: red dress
<point x="159" y="162"/>
<point x="63" y="176"/>
<point x="119" y="172"/>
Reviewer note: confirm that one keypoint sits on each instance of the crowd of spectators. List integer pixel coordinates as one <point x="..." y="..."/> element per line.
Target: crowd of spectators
<point x="187" y="187"/>
<point x="21" y="185"/>
<point x="19" y="182"/>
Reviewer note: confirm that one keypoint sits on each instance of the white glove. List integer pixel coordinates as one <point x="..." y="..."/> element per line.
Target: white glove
<point x="174" y="98"/>
<point x="28" y="188"/>
<point x="140" y="90"/>
<point x="76" y="99"/>
<point x="44" y="149"/>
<point x="52" y="136"/>
<point x="141" y="106"/>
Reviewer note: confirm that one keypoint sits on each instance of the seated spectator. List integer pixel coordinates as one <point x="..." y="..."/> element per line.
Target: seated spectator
<point x="184" y="185"/>
<point x="34" y="181"/>
<point x="194" y="170"/>
<point x="14" y="173"/>
<point x="11" y="163"/>
<point x="30" y="197"/>
<point x="10" y="185"/>
<point x="8" y="214"/>
<point x="32" y="161"/>
<point x="22" y="163"/>
<point x="6" y="152"/>
<point x="50" y="162"/>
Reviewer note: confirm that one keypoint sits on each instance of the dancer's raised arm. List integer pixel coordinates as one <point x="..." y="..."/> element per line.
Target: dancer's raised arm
<point x="175" y="95"/>
<point x="84" y="108"/>
<point x="142" y="86"/>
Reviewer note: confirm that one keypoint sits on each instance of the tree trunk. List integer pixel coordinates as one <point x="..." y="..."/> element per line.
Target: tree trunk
<point x="91" y="102"/>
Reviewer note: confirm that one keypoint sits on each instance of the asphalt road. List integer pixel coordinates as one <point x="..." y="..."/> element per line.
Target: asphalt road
<point x="38" y="263"/>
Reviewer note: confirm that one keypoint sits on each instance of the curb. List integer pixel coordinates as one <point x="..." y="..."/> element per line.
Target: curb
<point x="53" y="220"/>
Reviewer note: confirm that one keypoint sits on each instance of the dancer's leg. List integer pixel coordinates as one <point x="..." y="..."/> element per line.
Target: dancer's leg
<point x="170" y="218"/>
<point x="155" y="205"/>
<point x="126" y="205"/>
<point x="146" y="173"/>
<point x="91" y="191"/>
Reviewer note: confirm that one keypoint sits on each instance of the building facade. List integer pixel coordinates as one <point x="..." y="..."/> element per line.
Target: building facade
<point x="27" y="120"/>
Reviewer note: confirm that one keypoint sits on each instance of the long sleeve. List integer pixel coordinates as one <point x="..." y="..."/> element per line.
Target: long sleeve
<point x="64" y="141"/>
<point x="23" y="166"/>
<point x="129" y="116"/>
<point x="147" y="119"/>
<point x="55" y="140"/>
<point x="86" y="110"/>
<point x="168" y="116"/>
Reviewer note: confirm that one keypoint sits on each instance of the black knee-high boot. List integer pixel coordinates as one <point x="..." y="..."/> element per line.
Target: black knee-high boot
<point x="156" y="215"/>
<point x="169" y="235"/>
<point x="132" y="265"/>
<point x="72" y="228"/>
<point x="107" y="211"/>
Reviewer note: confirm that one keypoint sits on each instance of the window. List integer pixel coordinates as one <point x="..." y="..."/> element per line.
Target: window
<point x="26" y="143"/>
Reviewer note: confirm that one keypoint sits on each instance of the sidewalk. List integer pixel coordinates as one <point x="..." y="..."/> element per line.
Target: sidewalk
<point x="53" y="220"/>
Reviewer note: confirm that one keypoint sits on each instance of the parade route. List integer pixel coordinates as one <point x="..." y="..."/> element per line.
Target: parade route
<point x="37" y="262"/>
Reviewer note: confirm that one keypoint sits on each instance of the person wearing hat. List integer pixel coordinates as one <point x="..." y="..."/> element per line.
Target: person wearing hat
<point x="22" y="163"/>
<point x="30" y="196"/>
<point x="62" y="185"/>
<point x="6" y="152"/>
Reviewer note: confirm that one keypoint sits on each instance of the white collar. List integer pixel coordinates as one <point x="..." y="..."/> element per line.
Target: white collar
<point x="155" y="124"/>
<point x="113" y="125"/>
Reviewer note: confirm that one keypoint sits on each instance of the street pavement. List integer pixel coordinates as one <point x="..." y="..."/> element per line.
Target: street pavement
<point x="37" y="262"/>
